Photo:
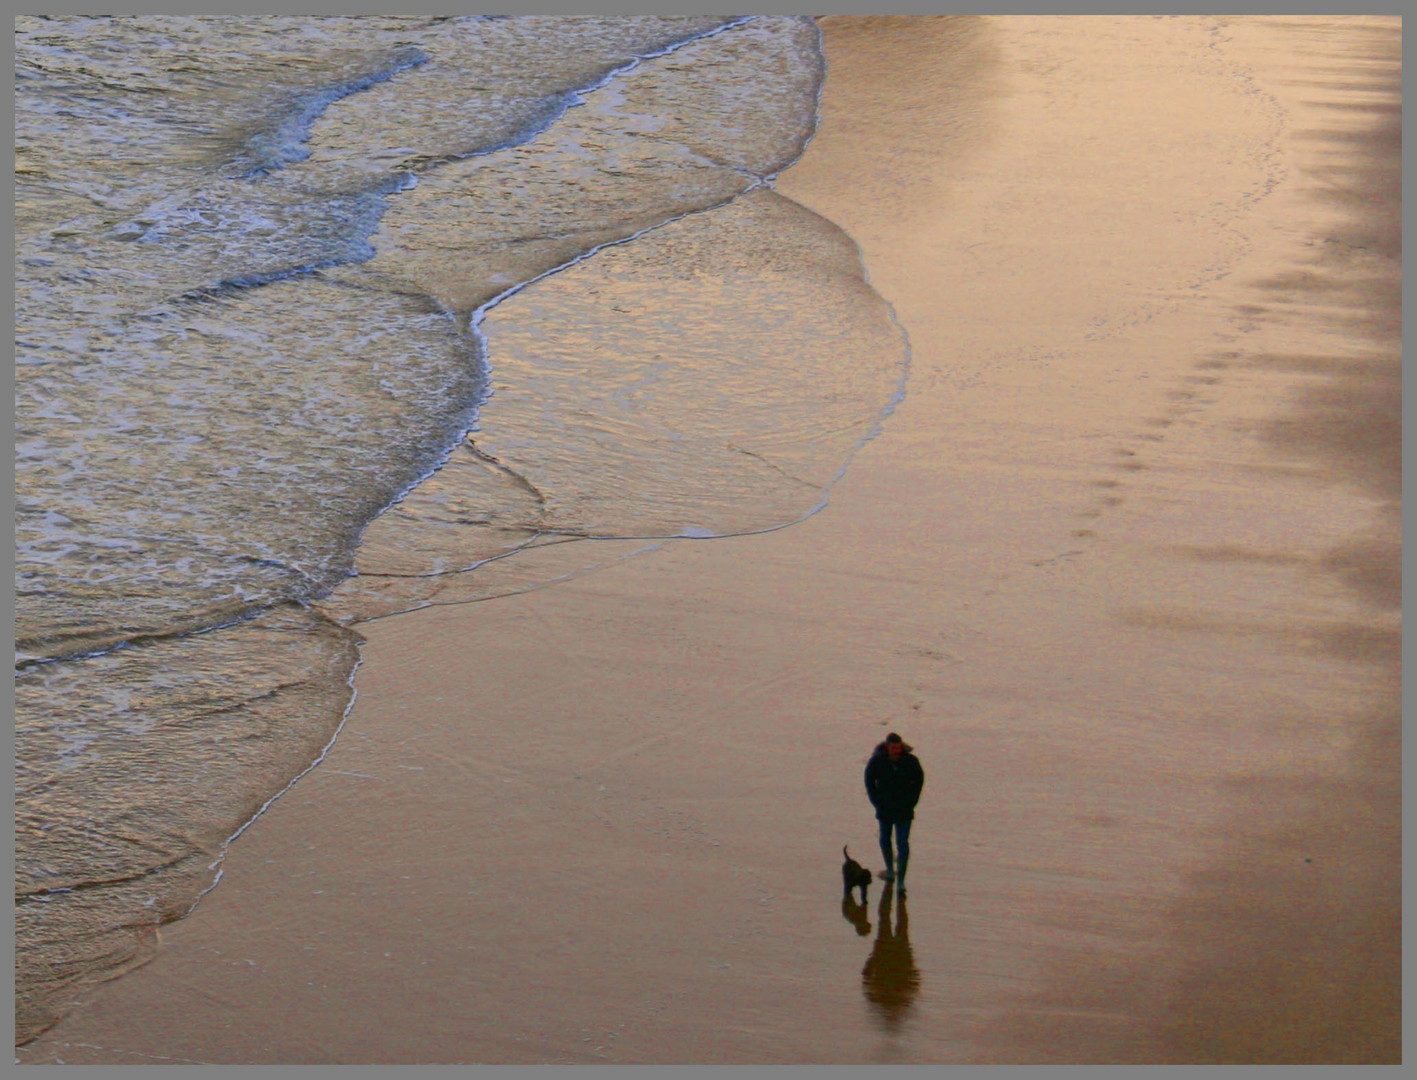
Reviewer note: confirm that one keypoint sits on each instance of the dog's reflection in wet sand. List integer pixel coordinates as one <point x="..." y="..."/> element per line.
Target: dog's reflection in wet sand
<point x="854" y="912"/>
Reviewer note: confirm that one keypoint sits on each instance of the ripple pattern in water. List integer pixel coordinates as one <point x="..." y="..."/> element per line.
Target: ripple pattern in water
<point x="204" y="421"/>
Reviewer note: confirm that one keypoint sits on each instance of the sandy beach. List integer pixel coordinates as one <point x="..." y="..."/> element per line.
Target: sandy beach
<point x="1123" y="566"/>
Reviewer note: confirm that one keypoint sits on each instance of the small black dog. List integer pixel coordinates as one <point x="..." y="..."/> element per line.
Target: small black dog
<point x="854" y="876"/>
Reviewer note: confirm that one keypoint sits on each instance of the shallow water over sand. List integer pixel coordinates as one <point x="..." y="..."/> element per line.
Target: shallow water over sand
<point x="257" y="259"/>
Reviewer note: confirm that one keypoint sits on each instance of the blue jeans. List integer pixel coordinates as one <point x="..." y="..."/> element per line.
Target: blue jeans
<point x="902" y="843"/>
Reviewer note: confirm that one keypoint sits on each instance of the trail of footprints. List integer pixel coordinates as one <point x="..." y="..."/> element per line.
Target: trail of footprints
<point x="1130" y="459"/>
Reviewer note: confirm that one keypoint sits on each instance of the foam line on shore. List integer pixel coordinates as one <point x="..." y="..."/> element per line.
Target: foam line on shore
<point x="324" y="752"/>
<point x="473" y="327"/>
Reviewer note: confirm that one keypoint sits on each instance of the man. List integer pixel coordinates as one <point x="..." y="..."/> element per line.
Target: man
<point x="893" y="782"/>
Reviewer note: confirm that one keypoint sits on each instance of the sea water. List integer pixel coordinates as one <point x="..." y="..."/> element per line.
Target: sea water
<point x="320" y="319"/>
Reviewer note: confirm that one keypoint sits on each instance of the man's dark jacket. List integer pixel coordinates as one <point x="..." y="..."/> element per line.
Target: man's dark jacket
<point x="893" y="786"/>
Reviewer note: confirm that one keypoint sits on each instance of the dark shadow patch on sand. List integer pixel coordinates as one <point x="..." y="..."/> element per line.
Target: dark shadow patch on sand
<point x="1359" y="643"/>
<point x="1296" y="929"/>
<point x="1184" y="621"/>
<point x="1280" y="952"/>
<point x="1356" y="422"/>
<point x="1285" y="947"/>
<point x="1234" y="553"/>
<point x="1350" y="426"/>
<point x="1348" y="423"/>
<point x="1308" y="364"/>
<point x="1371" y="565"/>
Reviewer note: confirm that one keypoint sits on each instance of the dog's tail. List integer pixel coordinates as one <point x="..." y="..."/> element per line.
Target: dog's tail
<point x="843" y="852"/>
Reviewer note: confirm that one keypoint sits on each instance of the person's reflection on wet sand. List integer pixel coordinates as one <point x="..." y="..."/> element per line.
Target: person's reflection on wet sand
<point x="890" y="980"/>
<point x="855" y="913"/>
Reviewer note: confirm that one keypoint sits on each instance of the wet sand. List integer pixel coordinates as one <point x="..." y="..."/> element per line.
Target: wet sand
<point x="1123" y="566"/>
